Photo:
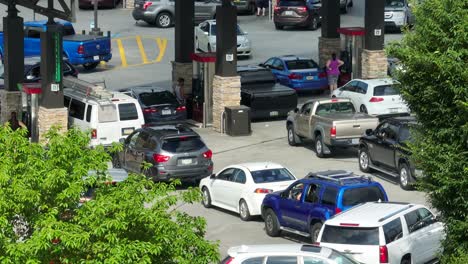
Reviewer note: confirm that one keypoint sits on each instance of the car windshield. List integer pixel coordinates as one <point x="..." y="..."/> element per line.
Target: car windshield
<point x="385" y="90"/>
<point x="213" y="30"/>
<point x="272" y="175"/>
<point x="301" y="64"/>
<point x="182" y="144"/>
<point x="156" y="98"/>
<point x="355" y="196"/>
<point x="333" y="108"/>
<point x="394" y="3"/>
<point x="341" y="258"/>
<point x="350" y="235"/>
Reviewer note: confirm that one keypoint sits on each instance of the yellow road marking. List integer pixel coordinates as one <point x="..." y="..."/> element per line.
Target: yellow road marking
<point x="162" y="44"/>
<point x="142" y="49"/>
<point x="122" y="53"/>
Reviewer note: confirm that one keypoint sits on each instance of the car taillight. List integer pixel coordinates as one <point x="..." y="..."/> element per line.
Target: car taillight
<point x="294" y="76"/>
<point x="160" y="158"/>
<point x="383" y="254"/>
<point x="333" y="131"/>
<point x="80" y="49"/>
<point x="322" y="75"/>
<point x="376" y="99"/>
<point x="263" y="190"/>
<point x="94" y="134"/>
<point x="337" y="210"/>
<point x="208" y="154"/>
<point x="302" y="9"/>
<point x="146" y="5"/>
<point x="228" y="261"/>
<point x="316" y="244"/>
<point x="149" y="110"/>
<point x="181" y="108"/>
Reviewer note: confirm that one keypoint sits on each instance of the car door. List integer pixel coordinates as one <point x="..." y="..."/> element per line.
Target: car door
<point x="141" y="147"/>
<point x="129" y="161"/>
<point x="345" y="91"/>
<point x="310" y="208"/>
<point x="279" y="71"/>
<point x="236" y="188"/>
<point x="303" y="118"/>
<point x="359" y="96"/>
<point x="219" y="186"/>
<point x="419" y="237"/>
<point x="376" y="148"/>
<point x="290" y="206"/>
<point x="203" y="9"/>
<point x="432" y="235"/>
<point x="388" y="145"/>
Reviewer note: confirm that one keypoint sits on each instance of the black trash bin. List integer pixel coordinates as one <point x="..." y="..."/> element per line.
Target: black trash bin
<point x="237" y="120"/>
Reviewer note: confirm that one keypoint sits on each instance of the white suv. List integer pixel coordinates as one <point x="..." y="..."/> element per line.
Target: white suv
<point x="389" y="232"/>
<point x="285" y="254"/>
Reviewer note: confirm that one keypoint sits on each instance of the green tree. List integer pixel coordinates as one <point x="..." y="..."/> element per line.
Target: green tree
<point x="135" y="221"/>
<point x="434" y="82"/>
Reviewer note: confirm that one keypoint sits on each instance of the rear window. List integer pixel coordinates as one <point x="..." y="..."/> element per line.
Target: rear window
<point x="350" y="235"/>
<point x="68" y="30"/>
<point x="273" y="175"/>
<point x="329" y="196"/>
<point x="157" y="98"/>
<point x="301" y="64"/>
<point x="107" y="113"/>
<point x="385" y="90"/>
<point x="292" y="3"/>
<point x="128" y="112"/>
<point x="332" y="108"/>
<point x="352" y="197"/>
<point x="182" y="144"/>
<point x="77" y="109"/>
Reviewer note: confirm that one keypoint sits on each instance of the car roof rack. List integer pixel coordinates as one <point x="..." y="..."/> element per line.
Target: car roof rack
<point x="88" y="90"/>
<point x="396" y="212"/>
<point x="338" y="176"/>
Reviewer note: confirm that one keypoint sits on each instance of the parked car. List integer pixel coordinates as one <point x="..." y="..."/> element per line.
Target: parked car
<point x="398" y="14"/>
<point x="345" y="5"/>
<point x="377" y="97"/>
<point x="205" y="39"/>
<point x="115" y="176"/>
<point x="385" y="150"/>
<point x="159" y="105"/>
<point x="305" y="205"/>
<point x="241" y="188"/>
<point x="32" y="70"/>
<point x="285" y="254"/>
<point x="297" y="13"/>
<point x="245" y="6"/>
<point x="161" y="13"/>
<point x="385" y="232"/>
<point x="86" y="50"/>
<point x="299" y="73"/>
<point x="394" y="65"/>
<point x="263" y="95"/>
<point x="329" y="123"/>
<point x="174" y="151"/>
<point x="84" y="4"/>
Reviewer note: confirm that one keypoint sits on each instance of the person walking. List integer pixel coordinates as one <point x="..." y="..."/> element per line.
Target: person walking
<point x="179" y="90"/>
<point x="333" y="72"/>
<point x="261" y="6"/>
<point x="14" y="123"/>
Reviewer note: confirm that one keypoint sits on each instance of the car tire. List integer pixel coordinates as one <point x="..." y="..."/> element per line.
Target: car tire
<point x="314" y="23"/>
<point x="314" y="231"/>
<point x="271" y="223"/>
<point x="404" y="177"/>
<point x="363" y="109"/>
<point x="206" y="201"/>
<point x="116" y="161"/>
<point x="406" y="260"/>
<point x="90" y="66"/>
<point x="293" y="139"/>
<point x="278" y="27"/>
<point x="319" y="147"/>
<point x="244" y="212"/>
<point x="364" y="160"/>
<point x="163" y="20"/>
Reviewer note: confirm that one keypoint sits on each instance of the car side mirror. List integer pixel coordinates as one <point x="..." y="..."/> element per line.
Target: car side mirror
<point x="122" y="140"/>
<point x="213" y="176"/>
<point x="296" y="110"/>
<point x="369" y="132"/>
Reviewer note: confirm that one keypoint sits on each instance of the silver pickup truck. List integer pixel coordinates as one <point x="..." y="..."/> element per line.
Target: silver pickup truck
<point x="328" y="123"/>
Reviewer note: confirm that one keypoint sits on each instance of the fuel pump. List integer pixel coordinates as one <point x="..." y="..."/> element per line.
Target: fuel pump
<point x="201" y="104"/>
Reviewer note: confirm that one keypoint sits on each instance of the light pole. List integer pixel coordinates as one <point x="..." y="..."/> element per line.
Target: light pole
<point x="95" y="30"/>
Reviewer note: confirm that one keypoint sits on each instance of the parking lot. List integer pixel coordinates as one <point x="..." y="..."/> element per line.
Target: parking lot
<point x="143" y="55"/>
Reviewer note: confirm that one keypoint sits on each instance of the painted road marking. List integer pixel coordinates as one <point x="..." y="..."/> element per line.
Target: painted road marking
<point x="123" y="59"/>
<point x="161" y="47"/>
<point x="162" y="44"/>
<point x="142" y="50"/>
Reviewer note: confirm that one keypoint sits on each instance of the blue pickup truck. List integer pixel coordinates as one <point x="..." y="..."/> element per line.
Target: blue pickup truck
<point x="86" y="50"/>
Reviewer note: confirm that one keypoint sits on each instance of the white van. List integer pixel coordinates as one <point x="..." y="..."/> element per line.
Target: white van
<point x="108" y="119"/>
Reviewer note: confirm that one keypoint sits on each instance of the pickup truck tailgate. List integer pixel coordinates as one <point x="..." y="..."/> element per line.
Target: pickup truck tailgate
<point x="93" y="45"/>
<point x="353" y="126"/>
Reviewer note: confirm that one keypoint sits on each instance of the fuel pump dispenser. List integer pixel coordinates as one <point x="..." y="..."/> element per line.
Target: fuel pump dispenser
<point x="30" y="103"/>
<point x="201" y="104"/>
<point x="352" y="43"/>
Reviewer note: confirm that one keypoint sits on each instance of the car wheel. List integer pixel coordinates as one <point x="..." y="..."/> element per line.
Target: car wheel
<point x="405" y="177"/>
<point x="363" y="109"/>
<point x="278" y="27"/>
<point x="206" y="201"/>
<point x="314" y="231"/>
<point x="406" y="260"/>
<point x="244" y="211"/>
<point x="164" y="20"/>
<point x="90" y="66"/>
<point x="319" y="147"/>
<point x="364" y="160"/>
<point x="271" y="223"/>
<point x="314" y="23"/>
<point x="293" y="139"/>
<point x="116" y="161"/>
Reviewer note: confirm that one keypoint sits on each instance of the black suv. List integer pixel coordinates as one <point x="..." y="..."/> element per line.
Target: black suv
<point x="175" y="151"/>
<point x="384" y="150"/>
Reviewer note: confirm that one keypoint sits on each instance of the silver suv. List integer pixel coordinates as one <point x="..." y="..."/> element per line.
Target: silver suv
<point x="398" y="14"/>
<point x="162" y="12"/>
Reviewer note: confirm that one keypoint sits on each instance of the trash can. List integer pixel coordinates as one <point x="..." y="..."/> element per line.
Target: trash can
<point x="237" y="120"/>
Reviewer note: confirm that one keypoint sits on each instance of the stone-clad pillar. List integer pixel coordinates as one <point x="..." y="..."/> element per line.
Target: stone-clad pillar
<point x="51" y="117"/>
<point x="329" y="42"/>
<point x="374" y="60"/>
<point x="226" y="92"/>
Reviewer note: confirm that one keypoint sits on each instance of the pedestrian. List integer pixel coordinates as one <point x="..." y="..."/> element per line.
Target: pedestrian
<point x="333" y="71"/>
<point x="14" y="123"/>
<point x="179" y="90"/>
<point x="261" y="6"/>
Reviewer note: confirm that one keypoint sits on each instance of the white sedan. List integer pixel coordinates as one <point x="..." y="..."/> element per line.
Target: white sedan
<point x="205" y="39"/>
<point x="374" y="97"/>
<point x="241" y="188"/>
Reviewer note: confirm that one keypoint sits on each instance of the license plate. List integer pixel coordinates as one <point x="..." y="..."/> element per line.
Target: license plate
<point x="393" y="110"/>
<point x="96" y="58"/>
<point x="274" y="113"/>
<point x="288" y="13"/>
<point x="166" y="112"/>
<point x="137" y="5"/>
<point x="355" y="141"/>
<point x="127" y="131"/>
<point x="185" y="161"/>
<point x="310" y="78"/>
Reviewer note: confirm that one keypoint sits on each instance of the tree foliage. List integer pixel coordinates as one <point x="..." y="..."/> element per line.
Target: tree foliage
<point x="136" y="221"/>
<point x="435" y="84"/>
